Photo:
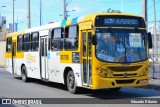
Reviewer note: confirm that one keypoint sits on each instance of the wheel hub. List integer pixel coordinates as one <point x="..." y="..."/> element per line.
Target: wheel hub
<point x="71" y="81"/>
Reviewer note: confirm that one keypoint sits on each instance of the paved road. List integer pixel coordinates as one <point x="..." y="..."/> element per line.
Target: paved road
<point x="11" y="86"/>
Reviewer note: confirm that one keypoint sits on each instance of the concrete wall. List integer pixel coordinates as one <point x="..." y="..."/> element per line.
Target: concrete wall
<point x="2" y="53"/>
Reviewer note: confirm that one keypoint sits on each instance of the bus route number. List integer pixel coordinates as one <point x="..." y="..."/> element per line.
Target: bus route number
<point x="64" y="57"/>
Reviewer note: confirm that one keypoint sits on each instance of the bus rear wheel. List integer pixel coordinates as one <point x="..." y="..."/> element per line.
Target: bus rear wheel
<point x="71" y="84"/>
<point x="24" y="74"/>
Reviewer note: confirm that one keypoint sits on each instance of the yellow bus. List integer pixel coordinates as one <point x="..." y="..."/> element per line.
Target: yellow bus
<point x="95" y="51"/>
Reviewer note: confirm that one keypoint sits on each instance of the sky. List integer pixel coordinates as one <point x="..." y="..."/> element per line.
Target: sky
<point x="52" y="9"/>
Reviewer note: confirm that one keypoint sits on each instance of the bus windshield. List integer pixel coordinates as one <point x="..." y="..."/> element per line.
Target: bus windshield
<point x="121" y="45"/>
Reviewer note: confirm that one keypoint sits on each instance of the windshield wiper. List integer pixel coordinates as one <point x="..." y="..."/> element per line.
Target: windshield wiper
<point x="116" y="38"/>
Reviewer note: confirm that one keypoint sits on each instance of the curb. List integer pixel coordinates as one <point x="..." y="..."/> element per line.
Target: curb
<point x="152" y="86"/>
<point x="2" y="68"/>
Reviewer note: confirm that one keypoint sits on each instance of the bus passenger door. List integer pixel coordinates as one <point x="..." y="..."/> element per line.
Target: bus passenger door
<point x="87" y="58"/>
<point x="43" y="57"/>
<point x="13" y="57"/>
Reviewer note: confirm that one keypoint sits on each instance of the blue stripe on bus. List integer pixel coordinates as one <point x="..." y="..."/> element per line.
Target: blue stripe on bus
<point x="74" y="20"/>
<point x="63" y="23"/>
<point x="48" y="55"/>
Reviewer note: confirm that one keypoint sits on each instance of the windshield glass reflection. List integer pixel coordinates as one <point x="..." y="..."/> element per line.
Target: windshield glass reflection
<point x="121" y="45"/>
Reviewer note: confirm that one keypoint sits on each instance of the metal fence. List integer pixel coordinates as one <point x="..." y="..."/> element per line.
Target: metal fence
<point x="155" y="51"/>
<point x="155" y="69"/>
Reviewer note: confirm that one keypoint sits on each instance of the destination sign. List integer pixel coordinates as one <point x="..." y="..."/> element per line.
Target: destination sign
<point x="120" y="21"/>
<point x="116" y="21"/>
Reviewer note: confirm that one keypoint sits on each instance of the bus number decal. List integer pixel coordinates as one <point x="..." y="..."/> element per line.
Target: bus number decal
<point x="48" y="55"/>
<point x="31" y="58"/>
<point x="64" y="57"/>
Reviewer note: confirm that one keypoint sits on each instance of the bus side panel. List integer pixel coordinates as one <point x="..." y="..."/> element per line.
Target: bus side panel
<point x="9" y="64"/>
<point x="77" y="72"/>
<point x="27" y="63"/>
<point x="54" y="66"/>
<point x="35" y="64"/>
<point x="18" y="63"/>
<point x="31" y="61"/>
<point x="56" y="69"/>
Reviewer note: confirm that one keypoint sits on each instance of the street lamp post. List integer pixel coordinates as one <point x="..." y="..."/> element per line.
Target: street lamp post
<point x="65" y="12"/>
<point x="68" y="12"/>
<point x="13" y="15"/>
<point x="29" y="15"/>
<point x="40" y="12"/>
<point x="64" y="9"/>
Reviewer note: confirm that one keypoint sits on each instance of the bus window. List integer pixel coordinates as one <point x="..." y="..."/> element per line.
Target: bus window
<point x="9" y="44"/>
<point x="19" y="42"/>
<point x="90" y="43"/>
<point x="71" y="42"/>
<point x="26" y="42"/>
<point x="42" y="46"/>
<point x="56" y="39"/>
<point x="49" y="40"/>
<point x="35" y="41"/>
<point x="84" y="44"/>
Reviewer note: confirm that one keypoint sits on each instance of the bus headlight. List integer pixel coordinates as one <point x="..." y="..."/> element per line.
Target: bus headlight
<point x="145" y="71"/>
<point x="103" y="73"/>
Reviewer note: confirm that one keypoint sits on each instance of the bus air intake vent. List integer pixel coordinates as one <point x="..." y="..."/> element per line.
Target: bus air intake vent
<point x="123" y="69"/>
<point x="122" y="75"/>
<point x="125" y="81"/>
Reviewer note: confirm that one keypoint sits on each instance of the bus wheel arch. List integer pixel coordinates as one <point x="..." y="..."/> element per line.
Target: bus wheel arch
<point x="24" y="73"/>
<point x="69" y="80"/>
<point x="67" y="69"/>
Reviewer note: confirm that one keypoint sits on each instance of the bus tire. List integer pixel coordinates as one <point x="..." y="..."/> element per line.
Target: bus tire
<point x="71" y="84"/>
<point x="24" y="74"/>
<point x="115" y="89"/>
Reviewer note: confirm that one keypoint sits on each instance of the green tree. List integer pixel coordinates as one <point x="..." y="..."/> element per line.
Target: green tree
<point x="112" y="11"/>
<point x="1" y="24"/>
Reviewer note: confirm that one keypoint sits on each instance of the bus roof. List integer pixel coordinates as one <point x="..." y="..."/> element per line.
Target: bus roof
<point x="67" y="22"/>
<point x="15" y="33"/>
<point x="92" y="17"/>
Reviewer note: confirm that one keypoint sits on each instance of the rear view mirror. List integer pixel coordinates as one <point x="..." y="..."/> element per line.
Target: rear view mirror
<point x="94" y="40"/>
<point x="150" y="45"/>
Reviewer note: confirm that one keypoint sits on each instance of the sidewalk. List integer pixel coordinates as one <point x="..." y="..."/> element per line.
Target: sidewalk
<point x="2" y="68"/>
<point x="154" y="83"/>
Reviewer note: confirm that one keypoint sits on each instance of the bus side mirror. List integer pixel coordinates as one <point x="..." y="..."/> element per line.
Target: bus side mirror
<point x="150" y="40"/>
<point x="94" y="41"/>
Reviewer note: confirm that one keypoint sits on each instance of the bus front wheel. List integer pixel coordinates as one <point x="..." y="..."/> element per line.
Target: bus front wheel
<point x="71" y="84"/>
<point x="24" y="74"/>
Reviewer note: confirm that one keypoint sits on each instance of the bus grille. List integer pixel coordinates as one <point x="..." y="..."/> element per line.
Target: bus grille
<point x="124" y="69"/>
<point x="122" y="75"/>
<point x="125" y="81"/>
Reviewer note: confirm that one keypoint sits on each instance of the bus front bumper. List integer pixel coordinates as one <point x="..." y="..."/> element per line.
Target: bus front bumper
<point x="101" y="83"/>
